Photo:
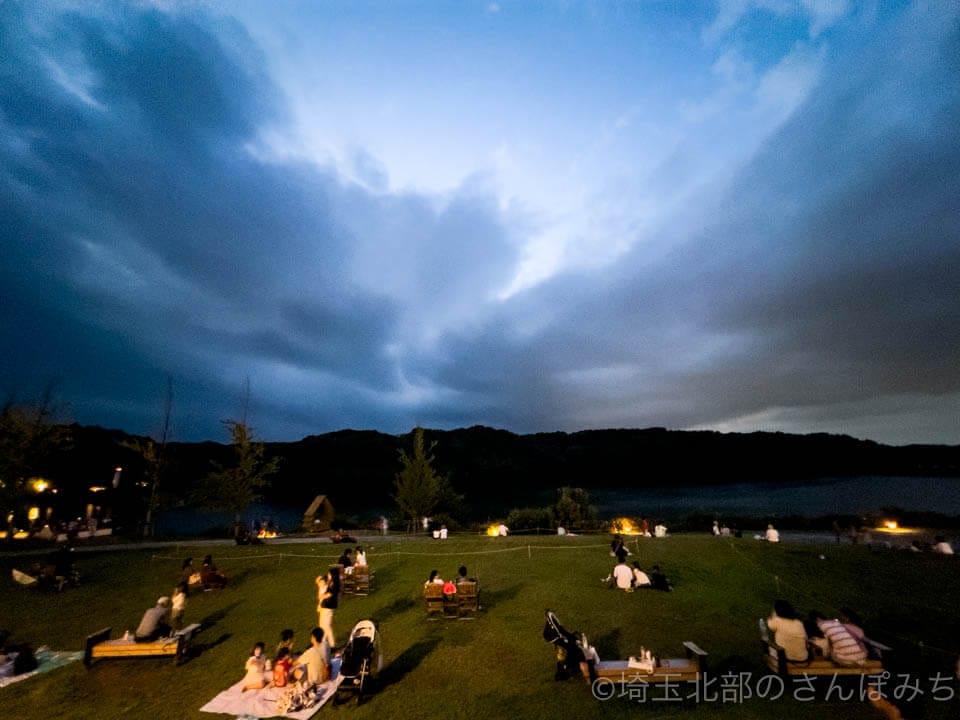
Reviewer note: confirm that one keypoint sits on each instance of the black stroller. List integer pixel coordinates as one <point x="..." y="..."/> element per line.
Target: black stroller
<point x="361" y="663"/>
<point x="570" y="647"/>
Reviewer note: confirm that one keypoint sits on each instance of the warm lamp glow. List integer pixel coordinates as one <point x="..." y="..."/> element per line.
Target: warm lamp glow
<point x="493" y="530"/>
<point x="33" y="513"/>
<point x="39" y="485"/>
<point x="624" y="526"/>
<point x="890" y="524"/>
<point x="97" y="488"/>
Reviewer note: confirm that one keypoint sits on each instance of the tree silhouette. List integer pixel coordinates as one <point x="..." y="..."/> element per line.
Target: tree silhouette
<point x="29" y="436"/>
<point x="417" y="484"/>
<point x="235" y="487"/>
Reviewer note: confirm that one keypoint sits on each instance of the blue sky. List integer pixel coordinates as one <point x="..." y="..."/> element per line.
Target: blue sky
<point x="530" y="215"/>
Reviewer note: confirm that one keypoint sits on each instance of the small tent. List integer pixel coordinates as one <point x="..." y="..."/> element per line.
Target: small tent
<point x="319" y="515"/>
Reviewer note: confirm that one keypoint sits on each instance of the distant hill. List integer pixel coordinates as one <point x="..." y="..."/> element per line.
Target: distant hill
<point x="497" y="469"/>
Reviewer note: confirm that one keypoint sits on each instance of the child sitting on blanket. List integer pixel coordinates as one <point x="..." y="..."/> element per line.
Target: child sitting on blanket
<point x="286" y="641"/>
<point x="282" y="667"/>
<point x="256" y="668"/>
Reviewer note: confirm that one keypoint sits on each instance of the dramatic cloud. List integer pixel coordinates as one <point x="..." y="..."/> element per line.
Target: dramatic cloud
<point x="763" y="236"/>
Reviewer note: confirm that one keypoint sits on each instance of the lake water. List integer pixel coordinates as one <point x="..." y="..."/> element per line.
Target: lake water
<point x="826" y="496"/>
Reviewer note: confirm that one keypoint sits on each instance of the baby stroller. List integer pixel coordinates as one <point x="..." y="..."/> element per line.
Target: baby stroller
<point x="361" y="662"/>
<point x="570" y="647"/>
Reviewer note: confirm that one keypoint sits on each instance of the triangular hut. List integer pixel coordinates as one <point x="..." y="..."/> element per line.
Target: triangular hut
<point x="319" y="515"/>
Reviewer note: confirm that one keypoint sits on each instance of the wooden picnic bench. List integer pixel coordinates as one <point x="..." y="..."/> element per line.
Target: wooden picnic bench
<point x="666" y="671"/>
<point x="462" y="604"/>
<point x="99" y="645"/>
<point x="776" y="659"/>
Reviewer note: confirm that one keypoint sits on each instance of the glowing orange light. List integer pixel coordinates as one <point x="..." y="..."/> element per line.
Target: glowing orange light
<point x="890" y="524"/>
<point x="264" y="534"/>
<point x="624" y="526"/>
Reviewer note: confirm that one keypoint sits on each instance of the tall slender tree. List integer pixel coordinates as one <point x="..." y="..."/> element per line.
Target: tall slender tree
<point x="235" y="486"/>
<point x="417" y="485"/>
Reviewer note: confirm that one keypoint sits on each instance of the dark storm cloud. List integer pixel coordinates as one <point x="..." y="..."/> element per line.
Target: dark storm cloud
<point x="149" y="231"/>
<point x="144" y="237"/>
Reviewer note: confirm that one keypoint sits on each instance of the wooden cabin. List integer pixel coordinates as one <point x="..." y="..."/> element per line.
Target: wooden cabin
<point x="319" y="516"/>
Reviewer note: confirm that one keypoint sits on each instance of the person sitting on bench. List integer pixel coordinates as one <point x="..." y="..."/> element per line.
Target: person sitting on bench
<point x="154" y="623"/>
<point x="788" y="632"/>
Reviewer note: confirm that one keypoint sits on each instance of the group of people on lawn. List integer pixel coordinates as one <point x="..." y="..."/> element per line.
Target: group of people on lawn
<point x="166" y="616"/>
<point x="838" y="639"/>
<point x="312" y="666"/>
<point x="630" y="578"/>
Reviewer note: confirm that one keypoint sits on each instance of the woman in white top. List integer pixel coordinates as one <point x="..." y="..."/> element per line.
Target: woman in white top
<point x="256" y="668"/>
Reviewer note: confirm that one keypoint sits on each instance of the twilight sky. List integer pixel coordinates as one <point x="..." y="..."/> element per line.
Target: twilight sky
<point x="739" y="214"/>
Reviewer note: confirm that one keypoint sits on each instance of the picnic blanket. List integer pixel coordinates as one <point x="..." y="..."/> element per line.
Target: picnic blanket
<point x="46" y="660"/>
<point x="263" y="703"/>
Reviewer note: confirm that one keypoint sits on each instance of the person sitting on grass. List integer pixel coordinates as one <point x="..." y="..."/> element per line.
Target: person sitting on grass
<point x="618" y="549"/>
<point x="623" y="576"/>
<point x="940" y="545"/>
<point x="281" y="667"/>
<point x="658" y="581"/>
<point x="286" y="641"/>
<point x="256" y="668"/>
<point x="154" y="623"/>
<point x="640" y="578"/>
<point x="188" y="574"/>
<point x="210" y="576"/>
<point x="313" y="667"/>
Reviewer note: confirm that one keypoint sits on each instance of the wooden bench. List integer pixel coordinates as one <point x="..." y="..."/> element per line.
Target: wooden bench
<point x="433" y="599"/>
<point x="99" y="645"/>
<point x="364" y="580"/>
<point x="468" y="599"/>
<point x="667" y="670"/>
<point x="776" y="659"/>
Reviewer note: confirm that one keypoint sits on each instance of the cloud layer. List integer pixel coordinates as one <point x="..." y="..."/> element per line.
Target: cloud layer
<point x="805" y="280"/>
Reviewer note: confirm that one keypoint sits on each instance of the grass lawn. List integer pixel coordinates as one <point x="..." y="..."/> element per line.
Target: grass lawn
<point x="498" y="664"/>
